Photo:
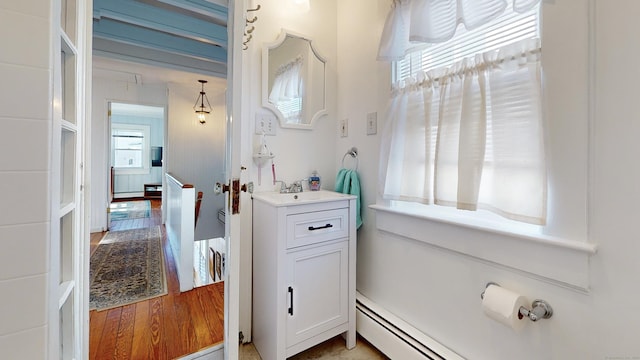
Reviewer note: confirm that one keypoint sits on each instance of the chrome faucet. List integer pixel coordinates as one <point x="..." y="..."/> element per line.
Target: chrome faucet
<point x="295" y="187"/>
<point x="283" y="186"/>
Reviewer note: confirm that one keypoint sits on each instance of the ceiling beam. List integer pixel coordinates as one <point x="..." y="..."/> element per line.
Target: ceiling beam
<point x="203" y="7"/>
<point x="158" y="19"/>
<point x="143" y="37"/>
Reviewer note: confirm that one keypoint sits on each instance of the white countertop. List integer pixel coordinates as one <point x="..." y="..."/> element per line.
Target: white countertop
<point x="305" y="197"/>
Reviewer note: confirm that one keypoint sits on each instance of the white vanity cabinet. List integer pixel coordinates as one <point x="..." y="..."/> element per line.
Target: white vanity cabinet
<point x="304" y="251"/>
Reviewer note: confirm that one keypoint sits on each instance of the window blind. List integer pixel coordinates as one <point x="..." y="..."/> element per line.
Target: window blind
<point x="507" y="29"/>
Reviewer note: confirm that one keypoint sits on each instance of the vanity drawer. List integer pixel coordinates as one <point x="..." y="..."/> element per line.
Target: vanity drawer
<point x="313" y="227"/>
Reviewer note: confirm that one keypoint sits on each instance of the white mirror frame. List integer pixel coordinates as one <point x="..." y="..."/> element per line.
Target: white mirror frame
<point x="265" y="81"/>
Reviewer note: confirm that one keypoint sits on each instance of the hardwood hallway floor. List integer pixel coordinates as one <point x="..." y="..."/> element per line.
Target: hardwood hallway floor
<point x="165" y="327"/>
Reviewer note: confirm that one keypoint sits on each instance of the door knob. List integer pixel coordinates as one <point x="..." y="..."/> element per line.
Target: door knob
<point x="248" y="187"/>
<point x="234" y="192"/>
<point x="220" y="188"/>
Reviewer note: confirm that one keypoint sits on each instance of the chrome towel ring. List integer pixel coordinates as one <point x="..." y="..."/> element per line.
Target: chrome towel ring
<point x="353" y="152"/>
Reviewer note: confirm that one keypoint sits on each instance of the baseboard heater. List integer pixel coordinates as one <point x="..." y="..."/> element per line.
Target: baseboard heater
<point x="394" y="337"/>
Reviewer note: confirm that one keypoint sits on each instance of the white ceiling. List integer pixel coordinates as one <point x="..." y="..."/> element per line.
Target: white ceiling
<point x="138" y="73"/>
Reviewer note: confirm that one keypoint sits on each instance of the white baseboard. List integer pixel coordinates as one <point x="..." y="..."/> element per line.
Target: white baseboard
<point x="128" y="195"/>
<point x="212" y="353"/>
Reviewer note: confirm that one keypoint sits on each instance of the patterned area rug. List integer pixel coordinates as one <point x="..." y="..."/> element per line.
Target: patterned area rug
<point x="130" y="209"/>
<point x="127" y="267"/>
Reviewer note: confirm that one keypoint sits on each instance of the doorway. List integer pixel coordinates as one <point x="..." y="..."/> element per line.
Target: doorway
<point x="192" y="151"/>
<point x="215" y="64"/>
<point x="136" y="150"/>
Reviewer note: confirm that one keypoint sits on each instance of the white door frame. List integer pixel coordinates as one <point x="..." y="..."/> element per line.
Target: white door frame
<point x="236" y="158"/>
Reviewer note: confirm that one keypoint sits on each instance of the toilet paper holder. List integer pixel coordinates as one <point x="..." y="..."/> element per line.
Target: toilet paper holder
<point x="540" y="309"/>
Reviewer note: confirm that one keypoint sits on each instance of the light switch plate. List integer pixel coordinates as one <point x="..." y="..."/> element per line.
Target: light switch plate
<point x="344" y="127"/>
<point x="265" y="123"/>
<point x="372" y="123"/>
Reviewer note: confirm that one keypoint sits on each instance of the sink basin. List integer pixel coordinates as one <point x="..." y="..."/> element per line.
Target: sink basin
<point x="305" y="197"/>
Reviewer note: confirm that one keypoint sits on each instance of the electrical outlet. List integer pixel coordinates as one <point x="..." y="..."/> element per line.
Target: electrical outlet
<point x="265" y="123"/>
<point x="344" y="127"/>
<point x="372" y="123"/>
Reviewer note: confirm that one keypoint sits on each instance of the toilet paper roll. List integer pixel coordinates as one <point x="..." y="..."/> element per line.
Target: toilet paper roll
<point x="503" y="305"/>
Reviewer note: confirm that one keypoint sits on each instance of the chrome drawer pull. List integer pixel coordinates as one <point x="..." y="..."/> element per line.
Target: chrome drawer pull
<point x="311" y="228"/>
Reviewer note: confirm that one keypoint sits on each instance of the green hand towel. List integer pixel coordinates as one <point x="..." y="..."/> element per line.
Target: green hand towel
<point x="340" y="179"/>
<point x="347" y="182"/>
<point x="355" y="190"/>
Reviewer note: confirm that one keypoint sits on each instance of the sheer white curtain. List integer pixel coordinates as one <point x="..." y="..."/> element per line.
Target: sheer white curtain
<point x="413" y="22"/>
<point x="287" y="82"/>
<point x="287" y="91"/>
<point x="470" y="136"/>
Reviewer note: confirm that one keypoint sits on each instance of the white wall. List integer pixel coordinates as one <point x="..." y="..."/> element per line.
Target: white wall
<point x="615" y="177"/>
<point x="25" y="138"/>
<point x="195" y="152"/>
<point x="297" y="152"/>
<point x="437" y="290"/>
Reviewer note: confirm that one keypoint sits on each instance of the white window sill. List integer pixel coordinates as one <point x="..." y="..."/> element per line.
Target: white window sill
<point x="563" y="262"/>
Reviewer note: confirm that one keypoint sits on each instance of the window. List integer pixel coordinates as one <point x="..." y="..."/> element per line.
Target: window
<point x="466" y="122"/>
<point x="566" y="30"/>
<point x="130" y="148"/>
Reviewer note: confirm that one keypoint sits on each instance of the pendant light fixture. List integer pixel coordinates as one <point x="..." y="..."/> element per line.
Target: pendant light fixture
<point x="200" y="107"/>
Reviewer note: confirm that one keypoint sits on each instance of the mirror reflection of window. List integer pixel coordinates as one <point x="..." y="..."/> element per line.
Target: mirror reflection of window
<point x="294" y="81"/>
<point x="287" y="92"/>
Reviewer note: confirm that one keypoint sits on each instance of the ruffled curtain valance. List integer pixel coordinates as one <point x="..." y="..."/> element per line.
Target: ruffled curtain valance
<point x="412" y="22"/>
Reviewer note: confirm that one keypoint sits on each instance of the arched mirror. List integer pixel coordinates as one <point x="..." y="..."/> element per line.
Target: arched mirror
<point x="293" y="80"/>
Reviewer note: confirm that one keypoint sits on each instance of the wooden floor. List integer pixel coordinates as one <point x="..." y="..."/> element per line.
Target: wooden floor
<point x="165" y="327"/>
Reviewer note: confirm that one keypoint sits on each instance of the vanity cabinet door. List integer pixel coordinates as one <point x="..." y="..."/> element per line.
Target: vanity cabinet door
<point x="317" y="291"/>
